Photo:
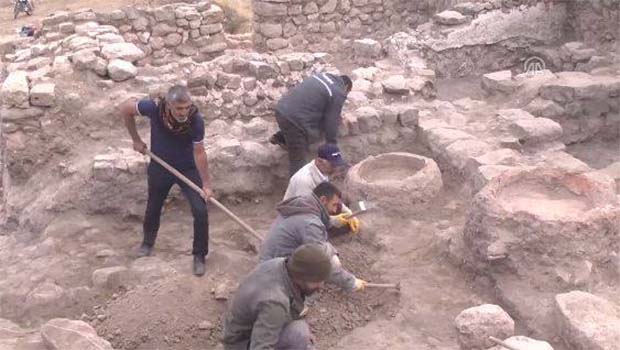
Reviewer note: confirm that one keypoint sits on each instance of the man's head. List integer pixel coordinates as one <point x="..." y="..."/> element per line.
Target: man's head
<point x="309" y="266"/>
<point x="179" y="102"/>
<point x="329" y="195"/>
<point x="329" y="159"/>
<point x="348" y="83"/>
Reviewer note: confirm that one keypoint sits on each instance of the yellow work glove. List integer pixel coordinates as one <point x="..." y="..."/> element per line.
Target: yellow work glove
<point x="354" y="225"/>
<point x="338" y="221"/>
<point x="359" y="285"/>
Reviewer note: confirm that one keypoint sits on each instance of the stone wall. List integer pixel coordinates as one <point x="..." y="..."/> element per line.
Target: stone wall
<point x="330" y="25"/>
<point x="181" y="29"/>
<point x="324" y="24"/>
<point x="596" y="22"/>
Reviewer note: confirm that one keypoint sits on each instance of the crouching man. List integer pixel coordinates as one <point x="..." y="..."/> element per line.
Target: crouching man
<point x="265" y="312"/>
<point x="305" y="219"/>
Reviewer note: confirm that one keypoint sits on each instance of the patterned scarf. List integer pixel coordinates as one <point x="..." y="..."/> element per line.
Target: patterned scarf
<point x="175" y="126"/>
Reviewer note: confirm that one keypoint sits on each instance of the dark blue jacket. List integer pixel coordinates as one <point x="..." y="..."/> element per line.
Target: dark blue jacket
<point x="315" y="105"/>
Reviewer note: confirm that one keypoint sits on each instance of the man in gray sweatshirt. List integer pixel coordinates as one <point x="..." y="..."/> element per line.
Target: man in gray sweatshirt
<point x="305" y="219"/>
<point x="308" y="110"/>
<point x="265" y="312"/>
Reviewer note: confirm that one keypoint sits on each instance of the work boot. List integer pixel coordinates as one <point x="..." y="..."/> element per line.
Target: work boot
<point x="199" y="265"/>
<point x="278" y="139"/>
<point x="145" y="250"/>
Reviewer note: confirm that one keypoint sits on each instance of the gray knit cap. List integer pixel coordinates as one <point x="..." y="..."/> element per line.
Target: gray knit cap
<point x="310" y="262"/>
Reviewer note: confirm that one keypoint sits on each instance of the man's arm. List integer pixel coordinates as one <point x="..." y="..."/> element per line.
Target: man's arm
<point x="128" y="112"/>
<point x="272" y="318"/>
<point x="202" y="163"/>
<point x="333" y="118"/>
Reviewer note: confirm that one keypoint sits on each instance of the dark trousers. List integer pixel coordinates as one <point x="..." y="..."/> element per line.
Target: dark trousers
<point x="297" y="143"/>
<point x="160" y="181"/>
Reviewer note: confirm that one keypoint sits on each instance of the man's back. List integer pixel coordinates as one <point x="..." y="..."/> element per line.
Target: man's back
<point x="306" y="104"/>
<point x="302" y="220"/>
<point x="267" y="290"/>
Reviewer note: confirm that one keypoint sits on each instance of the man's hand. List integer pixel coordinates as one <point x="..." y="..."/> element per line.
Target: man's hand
<point x="206" y="190"/>
<point x="359" y="285"/>
<point x="354" y="225"/>
<point x="140" y="146"/>
<point x="338" y="221"/>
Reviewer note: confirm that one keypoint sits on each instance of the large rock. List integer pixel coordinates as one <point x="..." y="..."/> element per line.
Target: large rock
<point x="14" y="91"/>
<point x="43" y="95"/>
<point x="525" y="343"/>
<point x="449" y="18"/>
<point x="65" y="334"/>
<point x="499" y="81"/>
<point x="475" y="325"/>
<point x="120" y="70"/>
<point x="536" y="130"/>
<point x="588" y="322"/>
<point x="367" y="48"/>
<point x="125" y="51"/>
<point x="45" y="294"/>
<point x="396" y="84"/>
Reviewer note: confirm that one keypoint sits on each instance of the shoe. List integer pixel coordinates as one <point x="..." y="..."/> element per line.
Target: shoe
<point x="145" y="250"/>
<point x="199" y="265"/>
<point x="278" y="139"/>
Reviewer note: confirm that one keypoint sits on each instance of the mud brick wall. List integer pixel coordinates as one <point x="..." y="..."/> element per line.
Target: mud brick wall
<point x="180" y="29"/>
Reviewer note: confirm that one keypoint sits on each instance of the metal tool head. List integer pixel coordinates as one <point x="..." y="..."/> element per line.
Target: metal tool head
<point x="363" y="207"/>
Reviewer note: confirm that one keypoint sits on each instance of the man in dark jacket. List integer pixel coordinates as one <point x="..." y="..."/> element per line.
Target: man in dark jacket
<point x="307" y="110"/>
<point x="305" y="219"/>
<point x="265" y="312"/>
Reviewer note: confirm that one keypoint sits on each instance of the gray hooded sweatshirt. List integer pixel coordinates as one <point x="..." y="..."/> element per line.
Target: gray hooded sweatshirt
<point x="303" y="220"/>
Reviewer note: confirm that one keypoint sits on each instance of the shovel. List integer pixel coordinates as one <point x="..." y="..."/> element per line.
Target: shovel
<point x="199" y="190"/>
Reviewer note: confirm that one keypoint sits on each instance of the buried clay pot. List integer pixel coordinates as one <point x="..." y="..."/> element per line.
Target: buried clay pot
<point x="395" y="181"/>
<point x="544" y="225"/>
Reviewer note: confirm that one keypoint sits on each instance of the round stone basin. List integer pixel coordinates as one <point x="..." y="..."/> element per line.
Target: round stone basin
<point x="390" y="167"/>
<point x="550" y="201"/>
<point x="395" y="180"/>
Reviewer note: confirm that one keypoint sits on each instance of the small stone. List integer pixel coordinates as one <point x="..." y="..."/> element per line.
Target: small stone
<point x="449" y="18"/>
<point x="173" y="39"/>
<point x="205" y="325"/>
<point x="14" y="91"/>
<point x="43" y="95"/>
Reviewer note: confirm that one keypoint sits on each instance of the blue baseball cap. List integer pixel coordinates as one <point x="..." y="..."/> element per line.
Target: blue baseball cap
<point x="331" y="153"/>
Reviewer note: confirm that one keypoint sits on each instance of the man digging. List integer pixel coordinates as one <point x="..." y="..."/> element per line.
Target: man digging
<point x="265" y="312"/>
<point x="177" y="134"/>
<point x="328" y="162"/>
<point x="305" y="219"/>
<point x="307" y="110"/>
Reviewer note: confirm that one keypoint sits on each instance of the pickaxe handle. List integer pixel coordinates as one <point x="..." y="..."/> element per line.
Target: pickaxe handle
<point x="384" y="285"/>
<point x="199" y="190"/>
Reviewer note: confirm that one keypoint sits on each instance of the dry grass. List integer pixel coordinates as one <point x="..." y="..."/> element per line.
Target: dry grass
<point x="238" y="15"/>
